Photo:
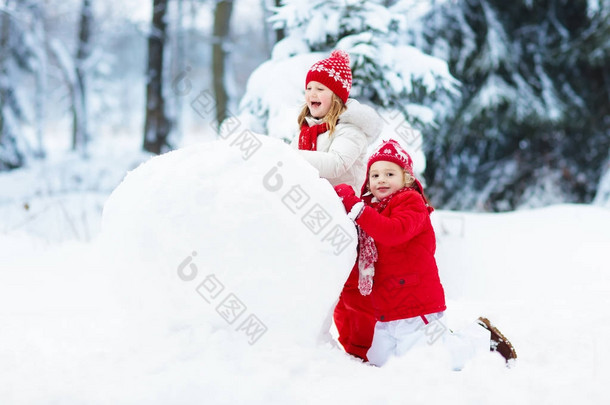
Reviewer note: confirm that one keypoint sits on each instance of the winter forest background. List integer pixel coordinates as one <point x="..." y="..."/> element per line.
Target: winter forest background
<point x="118" y="178"/>
<point x="522" y="120"/>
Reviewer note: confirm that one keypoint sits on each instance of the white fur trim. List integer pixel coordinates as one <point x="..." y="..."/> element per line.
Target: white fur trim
<point x="354" y="213"/>
<point x="363" y="117"/>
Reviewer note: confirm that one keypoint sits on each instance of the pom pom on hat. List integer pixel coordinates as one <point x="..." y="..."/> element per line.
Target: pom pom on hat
<point x="340" y="54"/>
<point x="333" y="72"/>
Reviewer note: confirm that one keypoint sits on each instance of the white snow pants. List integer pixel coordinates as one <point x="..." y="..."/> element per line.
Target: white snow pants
<point x="395" y="338"/>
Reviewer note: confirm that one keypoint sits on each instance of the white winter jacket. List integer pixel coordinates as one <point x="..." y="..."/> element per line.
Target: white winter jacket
<point x="341" y="158"/>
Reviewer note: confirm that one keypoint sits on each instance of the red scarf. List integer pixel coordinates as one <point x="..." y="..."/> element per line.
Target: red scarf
<point x="380" y="205"/>
<point x="308" y="138"/>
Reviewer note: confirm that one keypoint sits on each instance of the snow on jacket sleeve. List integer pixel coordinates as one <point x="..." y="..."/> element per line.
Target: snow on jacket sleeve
<point x="407" y="216"/>
<point x="348" y="145"/>
<point x="295" y="142"/>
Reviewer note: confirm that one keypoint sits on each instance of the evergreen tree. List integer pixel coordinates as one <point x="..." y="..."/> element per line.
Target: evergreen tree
<point x="19" y="51"/>
<point x="387" y="71"/>
<point x="531" y="124"/>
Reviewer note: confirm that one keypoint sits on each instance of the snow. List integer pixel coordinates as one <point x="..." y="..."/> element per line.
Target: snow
<point x="602" y="198"/>
<point x="496" y="43"/>
<point x="61" y="198"/>
<point x="294" y="226"/>
<point x="123" y="319"/>
<point x="593" y="7"/>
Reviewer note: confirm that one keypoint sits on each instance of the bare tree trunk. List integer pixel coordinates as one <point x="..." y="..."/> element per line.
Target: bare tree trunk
<point x="41" y="78"/>
<point x="10" y="155"/>
<point x="80" y="130"/>
<point x="222" y="17"/>
<point x="178" y="67"/>
<point x="5" y="21"/>
<point x="268" y="35"/>
<point x="279" y="33"/>
<point x="157" y="125"/>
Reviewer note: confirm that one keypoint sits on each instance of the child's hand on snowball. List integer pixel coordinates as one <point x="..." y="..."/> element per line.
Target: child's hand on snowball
<point x="347" y="195"/>
<point x="349" y="200"/>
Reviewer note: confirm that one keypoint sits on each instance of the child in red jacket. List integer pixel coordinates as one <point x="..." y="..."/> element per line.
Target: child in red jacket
<point x="393" y="296"/>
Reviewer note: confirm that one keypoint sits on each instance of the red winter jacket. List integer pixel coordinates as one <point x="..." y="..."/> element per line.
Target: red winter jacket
<point x="406" y="282"/>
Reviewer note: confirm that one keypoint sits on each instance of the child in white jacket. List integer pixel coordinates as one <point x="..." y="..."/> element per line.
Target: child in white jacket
<point x="335" y="131"/>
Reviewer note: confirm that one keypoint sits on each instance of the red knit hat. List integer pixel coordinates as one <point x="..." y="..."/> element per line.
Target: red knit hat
<point x="333" y="72"/>
<point x="391" y="151"/>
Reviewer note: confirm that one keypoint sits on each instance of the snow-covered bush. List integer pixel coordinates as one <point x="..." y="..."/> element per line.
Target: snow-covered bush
<point x="532" y="102"/>
<point x="400" y="80"/>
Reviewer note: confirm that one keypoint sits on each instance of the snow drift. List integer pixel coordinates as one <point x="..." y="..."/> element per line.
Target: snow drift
<point x="125" y="319"/>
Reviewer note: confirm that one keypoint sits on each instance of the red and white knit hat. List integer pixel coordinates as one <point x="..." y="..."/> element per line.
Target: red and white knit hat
<point x="391" y="151"/>
<point x="333" y="72"/>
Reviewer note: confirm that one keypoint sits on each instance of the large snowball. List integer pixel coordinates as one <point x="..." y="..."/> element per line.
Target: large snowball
<point x="239" y="237"/>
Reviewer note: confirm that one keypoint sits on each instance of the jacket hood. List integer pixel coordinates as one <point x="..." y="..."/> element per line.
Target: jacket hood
<point x="364" y="117"/>
<point x="359" y="115"/>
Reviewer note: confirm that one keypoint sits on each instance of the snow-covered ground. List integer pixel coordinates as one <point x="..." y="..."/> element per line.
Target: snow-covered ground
<point x="211" y="275"/>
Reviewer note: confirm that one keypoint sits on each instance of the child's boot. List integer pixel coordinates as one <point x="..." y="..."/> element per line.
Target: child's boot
<point x="499" y="343"/>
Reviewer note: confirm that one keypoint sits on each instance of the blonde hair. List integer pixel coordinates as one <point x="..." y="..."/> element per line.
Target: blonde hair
<point x="332" y="116"/>
<point x="409" y="179"/>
